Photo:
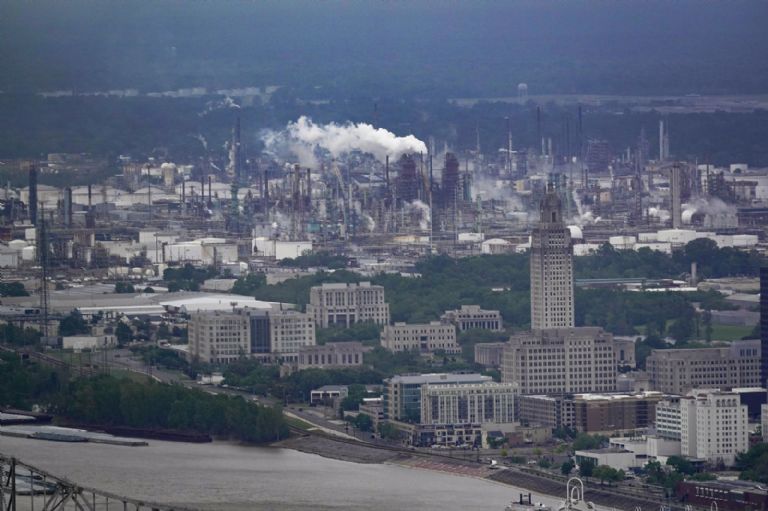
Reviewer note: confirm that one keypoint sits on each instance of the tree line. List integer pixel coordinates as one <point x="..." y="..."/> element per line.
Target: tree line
<point x="110" y="401"/>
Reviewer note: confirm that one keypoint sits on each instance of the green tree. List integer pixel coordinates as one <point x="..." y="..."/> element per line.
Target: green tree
<point x="124" y="287"/>
<point x="753" y="464"/>
<point x="586" y="468"/>
<point x="13" y="289"/>
<point x="123" y="333"/>
<point x="73" y="324"/>
<point x="566" y="468"/>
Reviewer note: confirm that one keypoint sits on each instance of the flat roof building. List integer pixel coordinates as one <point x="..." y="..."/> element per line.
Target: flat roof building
<point x="561" y="361"/>
<point x="423" y="338"/>
<point x="402" y="393"/>
<point x="347" y="304"/>
<point x="677" y="371"/>
<point x="472" y="317"/>
<point x="462" y="403"/>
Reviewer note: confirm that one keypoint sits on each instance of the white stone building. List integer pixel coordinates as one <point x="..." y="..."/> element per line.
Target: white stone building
<point x="424" y="337"/>
<point x="221" y="337"/>
<point x="713" y="426"/>
<point x="472" y="317"/>
<point x="347" y="304"/>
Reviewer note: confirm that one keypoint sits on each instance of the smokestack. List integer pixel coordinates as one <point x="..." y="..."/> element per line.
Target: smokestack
<point x="183" y="196"/>
<point x="581" y="135"/>
<point x="68" y="207"/>
<point x="386" y="171"/>
<point x="32" y="194"/>
<point x="265" y="195"/>
<point x="309" y="190"/>
<point x="210" y="191"/>
<point x="662" y="153"/>
<point x="238" y="158"/>
<point x="694" y="277"/>
<point x="674" y="190"/>
<point x="90" y="197"/>
<point x="538" y="128"/>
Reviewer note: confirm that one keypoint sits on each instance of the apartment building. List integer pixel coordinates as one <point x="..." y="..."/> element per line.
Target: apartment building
<point x="347" y="304"/>
<point x="424" y="338"/>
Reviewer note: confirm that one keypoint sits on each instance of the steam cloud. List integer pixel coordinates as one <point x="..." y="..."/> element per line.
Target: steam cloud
<point x="303" y="137"/>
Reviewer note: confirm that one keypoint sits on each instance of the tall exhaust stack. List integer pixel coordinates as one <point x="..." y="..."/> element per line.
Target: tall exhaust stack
<point x="68" y="207"/>
<point x="183" y="196"/>
<point x="309" y="190"/>
<point x="33" y="194"/>
<point x="265" y="195"/>
<point x="210" y="191"/>
<point x="674" y="190"/>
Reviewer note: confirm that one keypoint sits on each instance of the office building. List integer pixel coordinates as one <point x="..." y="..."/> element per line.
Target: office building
<point x="614" y="412"/>
<point x="424" y="338"/>
<point x="462" y="403"/>
<point x="561" y="361"/>
<point x="713" y="426"/>
<point x="347" y="304"/>
<point x="402" y="394"/>
<point x="332" y="355"/>
<point x="472" y="317"/>
<point x="551" y="267"/>
<point x="551" y="412"/>
<point x="678" y="371"/>
<point x="221" y="337"/>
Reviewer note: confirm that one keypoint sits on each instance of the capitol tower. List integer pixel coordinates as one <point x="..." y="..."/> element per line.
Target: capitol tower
<point x="551" y="267"/>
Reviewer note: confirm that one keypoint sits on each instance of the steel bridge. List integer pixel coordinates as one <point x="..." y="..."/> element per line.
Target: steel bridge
<point x="24" y="487"/>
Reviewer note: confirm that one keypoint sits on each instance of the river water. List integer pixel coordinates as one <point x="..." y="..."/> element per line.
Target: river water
<point x="232" y="477"/>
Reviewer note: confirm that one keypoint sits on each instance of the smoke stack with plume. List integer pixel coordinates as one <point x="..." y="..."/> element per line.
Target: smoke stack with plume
<point x="303" y="137"/>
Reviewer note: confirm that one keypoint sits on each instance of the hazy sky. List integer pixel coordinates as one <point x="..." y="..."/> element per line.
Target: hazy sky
<point x="416" y="46"/>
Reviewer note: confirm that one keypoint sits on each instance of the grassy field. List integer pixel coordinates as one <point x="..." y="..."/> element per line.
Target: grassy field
<point x="730" y="332"/>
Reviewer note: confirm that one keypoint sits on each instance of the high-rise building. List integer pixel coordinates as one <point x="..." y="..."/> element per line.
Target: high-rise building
<point x="713" y="426"/>
<point x="551" y="267"/>
<point x="347" y="304"/>
<point x="764" y="327"/>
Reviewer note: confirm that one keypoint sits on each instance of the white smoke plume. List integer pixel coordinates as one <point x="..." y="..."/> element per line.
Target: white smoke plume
<point x="421" y="213"/>
<point x="218" y="104"/>
<point x="584" y="215"/>
<point x="717" y="214"/>
<point x="662" y="215"/>
<point x="303" y="137"/>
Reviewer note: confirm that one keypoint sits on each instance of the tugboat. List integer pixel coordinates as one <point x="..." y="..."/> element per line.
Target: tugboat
<point x="524" y="503"/>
